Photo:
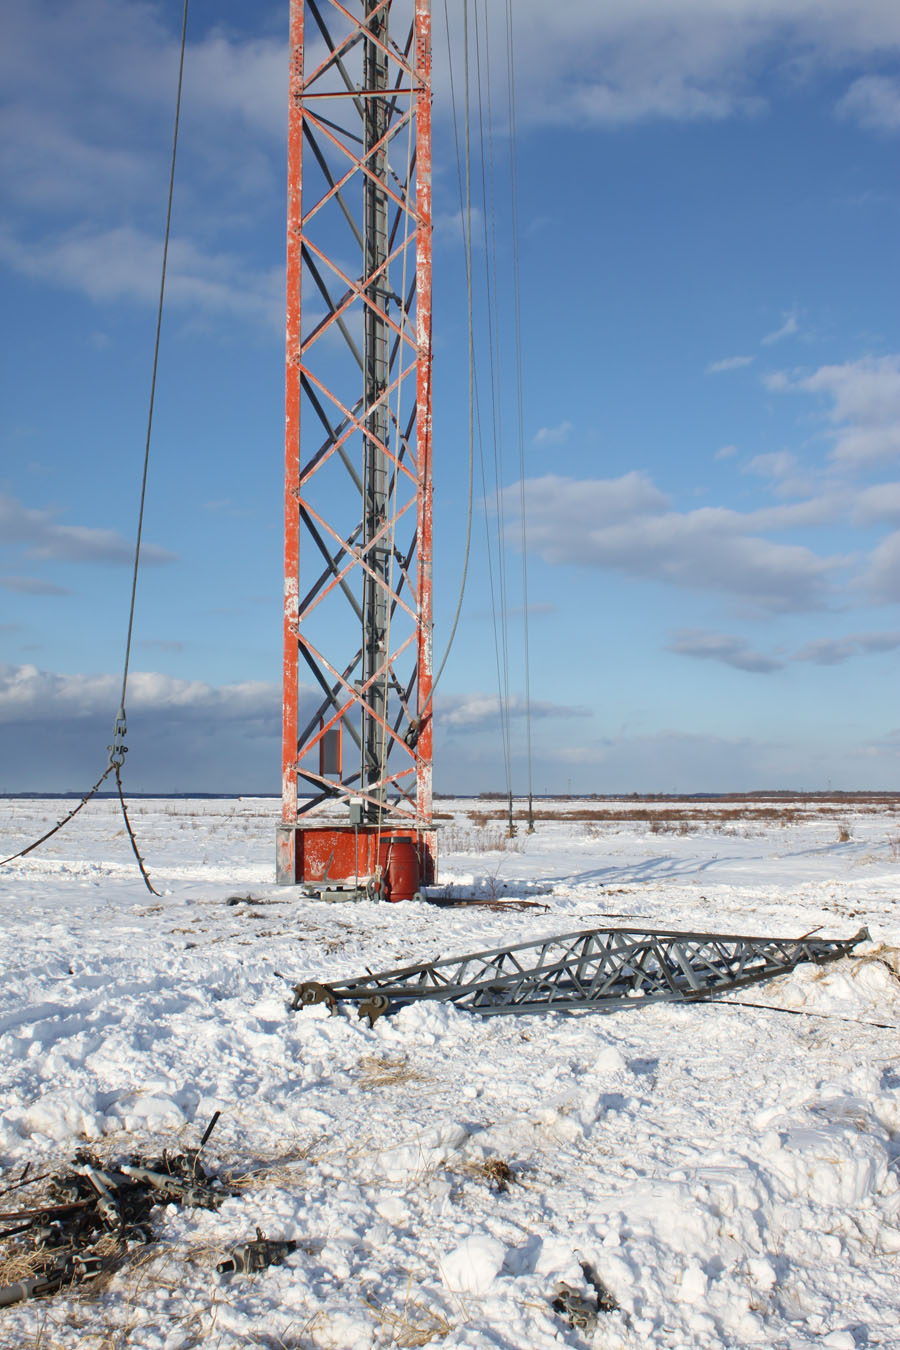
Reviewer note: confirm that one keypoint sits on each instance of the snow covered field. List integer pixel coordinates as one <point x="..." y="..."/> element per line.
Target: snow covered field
<point x="730" y="1174"/>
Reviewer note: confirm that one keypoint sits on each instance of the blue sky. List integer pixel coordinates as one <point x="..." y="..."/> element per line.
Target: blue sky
<point x="711" y="357"/>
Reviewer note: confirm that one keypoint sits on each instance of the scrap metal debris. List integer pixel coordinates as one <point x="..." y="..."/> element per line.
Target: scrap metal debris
<point x="600" y="969"/>
<point x="257" y="1254"/>
<point x="91" y="1214"/>
<point x="581" y="1312"/>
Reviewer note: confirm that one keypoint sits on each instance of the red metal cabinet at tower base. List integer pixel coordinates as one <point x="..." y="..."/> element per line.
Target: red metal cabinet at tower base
<point x="391" y="863"/>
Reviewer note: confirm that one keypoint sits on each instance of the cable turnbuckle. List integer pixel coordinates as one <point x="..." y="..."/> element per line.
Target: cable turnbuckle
<point x="118" y="750"/>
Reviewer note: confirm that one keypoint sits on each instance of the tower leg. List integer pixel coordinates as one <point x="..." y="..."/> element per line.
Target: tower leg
<point x="286" y="855"/>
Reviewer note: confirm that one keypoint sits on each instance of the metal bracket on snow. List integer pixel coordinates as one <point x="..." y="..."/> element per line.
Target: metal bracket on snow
<point x="601" y="969"/>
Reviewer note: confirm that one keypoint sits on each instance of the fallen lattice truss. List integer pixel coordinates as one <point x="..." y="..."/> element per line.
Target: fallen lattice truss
<point x="601" y="969"/>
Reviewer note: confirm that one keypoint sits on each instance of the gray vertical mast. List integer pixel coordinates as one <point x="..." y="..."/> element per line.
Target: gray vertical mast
<point x="375" y="478"/>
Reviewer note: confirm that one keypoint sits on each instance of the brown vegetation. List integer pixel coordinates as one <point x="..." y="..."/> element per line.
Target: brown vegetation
<point x="744" y="810"/>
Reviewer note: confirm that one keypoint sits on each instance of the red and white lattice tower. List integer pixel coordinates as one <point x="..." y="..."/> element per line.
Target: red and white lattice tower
<point x="356" y="786"/>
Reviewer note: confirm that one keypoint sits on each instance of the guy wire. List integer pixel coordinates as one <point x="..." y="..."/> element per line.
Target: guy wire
<point x="468" y="255"/>
<point x="517" y="293"/>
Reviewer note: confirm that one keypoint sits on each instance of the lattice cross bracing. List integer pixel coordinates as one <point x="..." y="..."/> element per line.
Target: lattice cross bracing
<point x="357" y="623"/>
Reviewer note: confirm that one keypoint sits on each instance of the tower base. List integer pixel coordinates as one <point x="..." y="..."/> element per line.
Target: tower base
<point x="390" y="862"/>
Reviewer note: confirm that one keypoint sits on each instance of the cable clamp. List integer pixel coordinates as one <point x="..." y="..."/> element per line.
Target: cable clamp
<point x="413" y="732"/>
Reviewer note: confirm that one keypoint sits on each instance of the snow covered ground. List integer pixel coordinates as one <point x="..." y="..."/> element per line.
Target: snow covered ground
<point x="729" y="1173"/>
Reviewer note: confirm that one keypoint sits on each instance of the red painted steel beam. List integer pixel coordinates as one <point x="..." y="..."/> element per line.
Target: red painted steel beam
<point x="285" y="864"/>
<point x="425" y="655"/>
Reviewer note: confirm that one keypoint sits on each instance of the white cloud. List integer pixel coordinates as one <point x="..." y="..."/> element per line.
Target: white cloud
<point x="592" y="502"/>
<point x="189" y="735"/>
<point x="585" y="63"/>
<point x="866" y="391"/>
<point x="724" y="648"/>
<point x="450" y="226"/>
<point x="29" y="694"/>
<point x="625" y="524"/>
<point x="580" y="63"/>
<point x="726" y="452"/>
<point x="31" y="585"/>
<point x="787" y="329"/>
<point x="671" y="760"/>
<point x="728" y="363"/>
<point x="89" y="90"/>
<point x="880" y="502"/>
<point x="557" y="435"/>
<point x="814" y="511"/>
<point x="865" y="406"/>
<point x="44" y="538"/>
<point x="183" y="735"/>
<point x="123" y="263"/>
<point x="783" y="473"/>
<point x="472" y="711"/>
<point x="874" y="102"/>
<point x="867" y="445"/>
<point x="883" y="576"/>
<point x="833" y="651"/>
<point x="46" y="166"/>
<point x="826" y="651"/>
<point x="126" y="56"/>
<point x="779" y="464"/>
<point x="243" y="79"/>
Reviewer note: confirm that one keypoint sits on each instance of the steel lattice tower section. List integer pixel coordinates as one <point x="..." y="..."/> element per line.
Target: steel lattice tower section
<point x="356" y="781"/>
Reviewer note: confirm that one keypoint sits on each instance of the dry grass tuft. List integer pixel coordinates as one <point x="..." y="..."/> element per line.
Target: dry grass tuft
<point x="727" y="814"/>
<point x="416" y="1325"/>
<point x="135" y="1265"/>
<point x="206" y="1253"/>
<point x="20" y="1265"/>
<point x="683" y="826"/>
<point x="290" y="1340"/>
<point x="382" y="1071"/>
<point x="40" y="1339"/>
<point x="513" y="906"/>
<point x="889" y="957"/>
<point x="495" y="1171"/>
<point x="479" y="837"/>
<point x="276" y="1169"/>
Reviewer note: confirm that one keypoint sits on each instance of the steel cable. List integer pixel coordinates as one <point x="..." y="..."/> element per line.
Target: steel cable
<point x="134" y="847"/>
<point x="395" y="477"/>
<point x="60" y="823"/>
<point x="467" y="236"/>
<point x="800" y="1012"/>
<point x="517" y="310"/>
<point x="501" y="631"/>
<point x="465" y="196"/>
<point x="118" y="749"/>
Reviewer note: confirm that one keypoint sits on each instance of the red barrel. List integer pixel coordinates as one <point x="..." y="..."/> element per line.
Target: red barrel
<point x="401" y="864"/>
